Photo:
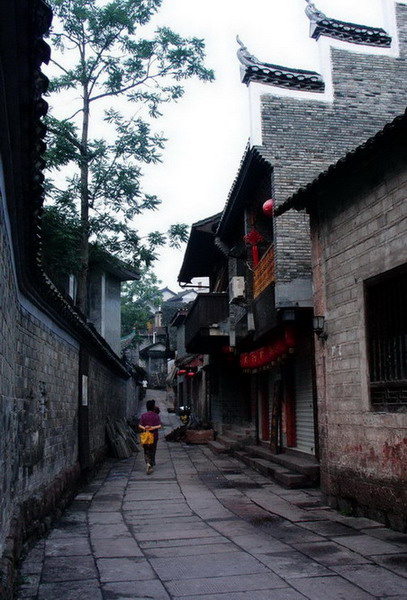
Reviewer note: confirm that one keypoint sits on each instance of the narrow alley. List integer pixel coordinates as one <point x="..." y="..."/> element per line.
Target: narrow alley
<point x="203" y="527"/>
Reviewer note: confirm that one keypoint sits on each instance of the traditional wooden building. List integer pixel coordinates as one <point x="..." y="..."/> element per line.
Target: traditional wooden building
<point x="302" y="121"/>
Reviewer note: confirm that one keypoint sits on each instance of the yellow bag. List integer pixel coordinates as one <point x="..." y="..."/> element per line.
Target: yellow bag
<point x="146" y="438"/>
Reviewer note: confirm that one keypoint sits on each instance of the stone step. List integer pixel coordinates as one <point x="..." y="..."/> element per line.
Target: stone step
<point x="218" y="448"/>
<point x="293" y="480"/>
<point x="234" y="439"/>
<point x="246" y="430"/>
<point x="305" y="465"/>
<point x="238" y="436"/>
<point x="228" y="441"/>
<point x="287" y="478"/>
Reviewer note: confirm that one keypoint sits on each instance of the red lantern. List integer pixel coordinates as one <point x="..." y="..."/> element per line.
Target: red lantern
<point x="252" y="360"/>
<point x="261" y="357"/>
<point x="268" y="207"/>
<point x="182" y="372"/>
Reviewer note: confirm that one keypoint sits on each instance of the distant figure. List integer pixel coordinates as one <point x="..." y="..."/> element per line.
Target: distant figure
<point x="150" y="421"/>
<point x="144" y="385"/>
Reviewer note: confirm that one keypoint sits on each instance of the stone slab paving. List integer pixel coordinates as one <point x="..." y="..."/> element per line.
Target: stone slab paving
<point x="108" y="548"/>
<point x="207" y="527"/>
<point x="367" y="545"/>
<point x="197" y="549"/>
<point x="132" y="590"/>
<point x="329" y="588"/>
<point x="207" y="566"/>
<point x="374" y="579"/>
<point x="68" y="568"/>
<point x="71" y="590"/>
<point x="280" y="594"/>
<point x="74" y="546"/>
<point x="292" y="565"/>
<point x="219" y="585"/>
<point x="397" y="563"/>
<point x="331" y="554"/>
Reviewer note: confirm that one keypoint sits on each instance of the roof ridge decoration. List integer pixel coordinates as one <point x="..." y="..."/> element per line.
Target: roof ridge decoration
<point x="254" y="70"/>
<point x="344" y="31"/>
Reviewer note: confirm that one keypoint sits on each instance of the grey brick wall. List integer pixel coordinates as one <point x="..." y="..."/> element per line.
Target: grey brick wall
<point x="8" y="374"/>
<point x="106" y="394"/>
<point x="363" y="453"/>
<point x="303" y="137"/>
<point x="39" y="397"/>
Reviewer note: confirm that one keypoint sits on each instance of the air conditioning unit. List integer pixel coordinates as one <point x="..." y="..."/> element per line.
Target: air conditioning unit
<point x="236" y="289"/>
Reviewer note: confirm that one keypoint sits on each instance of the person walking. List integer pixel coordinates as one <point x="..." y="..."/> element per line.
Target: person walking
<point x="150" y="421"/>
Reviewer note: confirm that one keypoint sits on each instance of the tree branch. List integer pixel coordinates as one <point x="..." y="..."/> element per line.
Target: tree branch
<point x="68" y="37"/>
<point x="54" y="62"/>
<point x="75" y="113"/>
<point x="68" y="136"/>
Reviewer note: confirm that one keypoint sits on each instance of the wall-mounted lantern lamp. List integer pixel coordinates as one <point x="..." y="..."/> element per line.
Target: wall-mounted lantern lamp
<point x="319" y="327"/>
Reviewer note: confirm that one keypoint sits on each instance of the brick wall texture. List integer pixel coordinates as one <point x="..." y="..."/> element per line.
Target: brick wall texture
<point x="363" y="453"/>
<point x="303" y="137"/>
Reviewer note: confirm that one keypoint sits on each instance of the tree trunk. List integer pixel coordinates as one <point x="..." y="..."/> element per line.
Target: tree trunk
<point x="82" y="295"/>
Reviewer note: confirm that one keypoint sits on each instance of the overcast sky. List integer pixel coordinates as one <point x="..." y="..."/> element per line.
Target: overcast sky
<point x="208" y="129"/>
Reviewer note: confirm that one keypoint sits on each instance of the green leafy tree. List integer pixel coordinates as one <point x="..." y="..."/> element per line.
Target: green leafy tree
<point x="101" y="56"/>
<point x="61" y="236"/>
<point x="139" y="298"/>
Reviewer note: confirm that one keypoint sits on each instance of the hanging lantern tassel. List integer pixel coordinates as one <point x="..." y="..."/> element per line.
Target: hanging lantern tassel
<point x="254" y="238"/>
<point x="268" y="207"/>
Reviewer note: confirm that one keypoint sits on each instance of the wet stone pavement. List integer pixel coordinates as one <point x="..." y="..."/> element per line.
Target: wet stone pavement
<point x="204" y="527"/>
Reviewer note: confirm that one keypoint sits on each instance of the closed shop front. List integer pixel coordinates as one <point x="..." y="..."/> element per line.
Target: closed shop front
<point x="304" y="401"/>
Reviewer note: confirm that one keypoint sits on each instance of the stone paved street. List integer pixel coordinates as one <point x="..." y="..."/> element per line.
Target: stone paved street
<point x="203" y="527"/>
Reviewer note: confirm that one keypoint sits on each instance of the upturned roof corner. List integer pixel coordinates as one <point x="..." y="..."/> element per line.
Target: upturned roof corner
<point x="344" y="31"/>
<point x="254" y="70"/>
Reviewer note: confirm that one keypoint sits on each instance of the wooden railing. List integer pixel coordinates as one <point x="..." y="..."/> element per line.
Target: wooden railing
<point x="264" y="272"/>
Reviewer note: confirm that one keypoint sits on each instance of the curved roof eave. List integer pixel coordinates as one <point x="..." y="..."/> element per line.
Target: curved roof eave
<point x="252" y="154"/>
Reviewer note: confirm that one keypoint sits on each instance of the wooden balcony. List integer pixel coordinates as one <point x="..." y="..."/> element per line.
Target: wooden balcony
<point x="264" y="272"/>
<point x="263" y="294"/>
<point x="206" y="326"/>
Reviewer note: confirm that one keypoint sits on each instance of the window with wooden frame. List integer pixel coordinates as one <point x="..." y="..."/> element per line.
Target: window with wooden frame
<point x="386" y="328"/>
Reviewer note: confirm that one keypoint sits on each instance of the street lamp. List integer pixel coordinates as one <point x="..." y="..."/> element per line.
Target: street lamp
<point x="318" y="323"/>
